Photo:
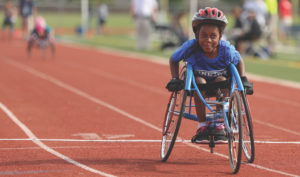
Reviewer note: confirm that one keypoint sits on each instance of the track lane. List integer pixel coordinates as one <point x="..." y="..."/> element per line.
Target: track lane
<point x="44" y="67"/>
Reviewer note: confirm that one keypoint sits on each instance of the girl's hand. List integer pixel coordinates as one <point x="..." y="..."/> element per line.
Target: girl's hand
<point x="248" y="86"/>
<point x="175" y="85"/>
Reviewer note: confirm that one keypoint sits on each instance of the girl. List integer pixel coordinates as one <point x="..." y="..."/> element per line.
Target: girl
<point x="41" y="36"/>
<point x="210" y="57"/>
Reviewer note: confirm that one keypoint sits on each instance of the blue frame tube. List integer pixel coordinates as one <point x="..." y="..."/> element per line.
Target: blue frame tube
<point x="190" y="79"/>
<point x="236" y="77"/>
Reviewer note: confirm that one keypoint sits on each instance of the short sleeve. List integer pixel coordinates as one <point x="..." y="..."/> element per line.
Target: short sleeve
<point x="182" y="52"/>
<point x="231" y="54"/>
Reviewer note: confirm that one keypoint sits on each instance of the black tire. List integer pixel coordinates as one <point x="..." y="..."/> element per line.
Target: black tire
<point x="172" y="123"/>
<point x="172" y="120"/>
<point x="248" y="138"/>
<point x="235" y="139"/>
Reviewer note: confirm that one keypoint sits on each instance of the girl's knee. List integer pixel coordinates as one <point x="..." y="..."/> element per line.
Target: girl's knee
<point x="220" y="78"/>
<point x="200" y="80"/>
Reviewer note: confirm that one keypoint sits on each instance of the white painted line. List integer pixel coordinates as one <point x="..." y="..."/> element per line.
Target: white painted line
<point x="32" y="172"/>
<point x="132" y="141"/>
<point x="277" y="142"/>
<point x="112" y="136"/>
<point x="274" y="81"/>
<point x="276" y="127"/>
<point x="55" y="147"/>
<point x="85" y="140"/>
<point x="111" y="107"/>
<point x="278" y="100"/>
<point x="129" y="81"/>
<point x="78" y="92"/>
<point x="271" y="170"/>
<point x="45" y="147"/>
<point x="88" y="136"/>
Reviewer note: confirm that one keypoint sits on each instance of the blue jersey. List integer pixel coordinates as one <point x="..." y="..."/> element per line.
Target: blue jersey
<point x="26" y="7"/>
<point x="208" y="68"/>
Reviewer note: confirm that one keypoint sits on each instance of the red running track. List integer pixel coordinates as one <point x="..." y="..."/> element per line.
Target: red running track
<point x="52" y="110"/>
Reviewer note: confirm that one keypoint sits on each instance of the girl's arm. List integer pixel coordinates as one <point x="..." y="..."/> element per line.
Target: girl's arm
<point x="174" y="68"/>
<point x="241" y="68"/>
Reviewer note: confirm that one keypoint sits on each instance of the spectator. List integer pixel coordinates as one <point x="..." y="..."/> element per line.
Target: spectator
<point x="178" y="27"/>
<point x="238" y="24"/>
<point x="259" y="7"/>
<point x="26" y="10"/>
<point x="271" y="24"/>
<point x="253" y="20"/>
<point x="144" y="12"/>
<point x="9" y="18"/>
<point x="251" y="31"/>
<point x="177" y="30"/>
<point x="285" y="14"/>
<point x="102" y="17"/>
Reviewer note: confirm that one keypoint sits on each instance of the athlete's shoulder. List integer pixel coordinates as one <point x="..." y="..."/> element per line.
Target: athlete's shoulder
<point x="190" y="42"/>
<point x="226" y="46"/>
<point x="229" y="52"/>
<point x="48" y="28"/>
<point x="224" y="43"/>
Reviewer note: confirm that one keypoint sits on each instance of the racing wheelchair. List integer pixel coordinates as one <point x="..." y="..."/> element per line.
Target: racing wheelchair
<point x="41" y="43"/>
<point x="234" y="112"/>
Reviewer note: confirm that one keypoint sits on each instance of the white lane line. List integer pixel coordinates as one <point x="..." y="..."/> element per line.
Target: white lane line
<point x="276" y="127"/>
<point x="278" y="100"/>
<point x="32" y="172"/>
<point x="104" y="104"/>
<point x="45" y="147"/>
<point x="54" y="147"/>
<point x="131" y="141"/>
<point x="128" y="81"/>
<point x="275" y="81"/>
<point x="78" y="92"/>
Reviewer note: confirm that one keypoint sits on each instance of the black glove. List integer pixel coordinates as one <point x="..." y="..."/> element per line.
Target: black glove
<point x="175" y="85"/>
<point x="248" y="86"/>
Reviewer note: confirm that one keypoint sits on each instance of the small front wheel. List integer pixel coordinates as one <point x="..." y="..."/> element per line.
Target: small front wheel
<point x="236" y="134"/>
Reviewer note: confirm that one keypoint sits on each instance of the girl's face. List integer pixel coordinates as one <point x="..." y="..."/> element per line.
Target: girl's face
<point x="209" y="36"/>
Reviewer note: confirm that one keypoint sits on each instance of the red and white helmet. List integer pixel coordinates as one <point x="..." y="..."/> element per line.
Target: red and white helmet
<point x="209" y="15"/>
<point x="40" y="24"/>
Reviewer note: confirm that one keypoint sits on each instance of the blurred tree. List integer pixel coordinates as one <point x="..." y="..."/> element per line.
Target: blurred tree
<point x="176" y="6"/>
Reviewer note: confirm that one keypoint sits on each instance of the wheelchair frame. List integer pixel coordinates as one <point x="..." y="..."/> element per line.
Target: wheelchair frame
<point x="42" y="44"/>
<point x="237" y="117"/>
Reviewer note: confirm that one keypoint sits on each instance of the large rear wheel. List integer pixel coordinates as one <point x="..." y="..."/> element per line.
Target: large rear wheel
<point x="248" y="139"/>
<point x="235" y="137"/>
<point x="172" y="121"/>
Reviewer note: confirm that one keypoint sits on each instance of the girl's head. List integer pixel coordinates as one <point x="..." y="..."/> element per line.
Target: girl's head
<point x="208" y="26"/>
<point x="40" y="25"/>
<point x="209" y="16"/>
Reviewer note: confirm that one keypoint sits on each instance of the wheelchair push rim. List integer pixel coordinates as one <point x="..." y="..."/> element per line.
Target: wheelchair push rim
<point x="235" y="138"/>
<point x="248" y="138"/>
<point x="172" y="121"/>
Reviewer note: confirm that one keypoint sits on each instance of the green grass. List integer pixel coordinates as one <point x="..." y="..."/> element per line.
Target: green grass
<point x="66" y="20"/>
<point x="70" y="20"/>
<point x="277" y="68"/>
